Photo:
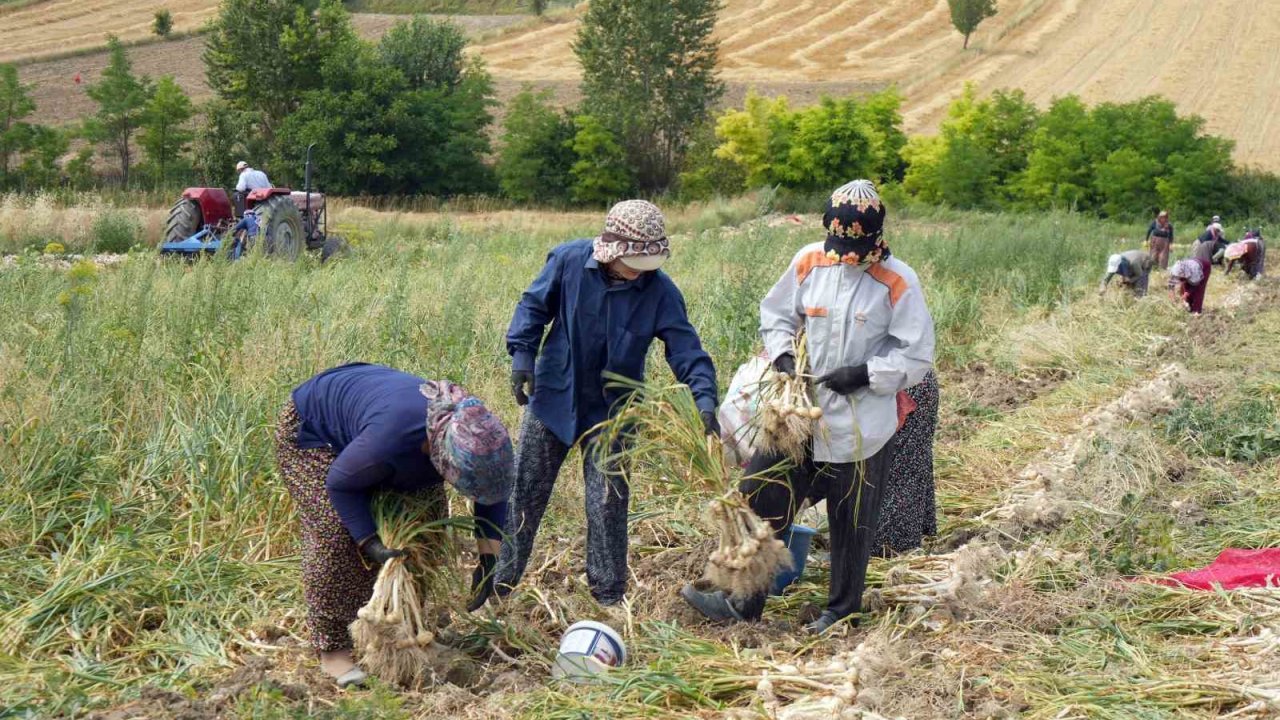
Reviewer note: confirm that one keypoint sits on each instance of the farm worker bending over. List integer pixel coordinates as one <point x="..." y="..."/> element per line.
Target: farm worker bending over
<point x="1211" y="243"/>
<point x="1188" y="280"/>
<point x="357" y="429"/>
<point x="605" y="301"/>
<point x="1134" y="269"/>
<point x="1249" y="252"/>
<point x="1160" y="239"/>
<point x="869" y="336"/>
<point x="250" y="179"/>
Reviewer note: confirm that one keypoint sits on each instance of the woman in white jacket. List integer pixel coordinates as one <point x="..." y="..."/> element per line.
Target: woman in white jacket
<point x="869" y="336"/>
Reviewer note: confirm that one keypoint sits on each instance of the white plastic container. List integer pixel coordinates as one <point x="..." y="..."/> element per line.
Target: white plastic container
<point x="588" y="648"/>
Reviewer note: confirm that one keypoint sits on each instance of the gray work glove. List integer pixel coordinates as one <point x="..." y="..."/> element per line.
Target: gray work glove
<point x="846" y="380"/>
<point x="373" y="549"/>
<point x="519" y="380"/>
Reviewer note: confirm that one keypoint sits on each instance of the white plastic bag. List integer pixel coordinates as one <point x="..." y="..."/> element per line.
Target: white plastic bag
<point x="737" y="409"/>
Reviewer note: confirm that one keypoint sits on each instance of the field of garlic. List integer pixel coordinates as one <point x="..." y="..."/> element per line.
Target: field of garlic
<point x="148" y="556"/>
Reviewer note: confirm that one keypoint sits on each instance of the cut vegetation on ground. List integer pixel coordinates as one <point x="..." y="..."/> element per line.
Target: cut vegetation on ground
<point x="149" y="563"/>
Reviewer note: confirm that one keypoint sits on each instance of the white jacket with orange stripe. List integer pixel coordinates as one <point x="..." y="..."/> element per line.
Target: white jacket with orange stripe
<point x="853" y="315"/>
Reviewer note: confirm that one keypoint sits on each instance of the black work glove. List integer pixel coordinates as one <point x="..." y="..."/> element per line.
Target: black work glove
<point x="786" y="364"/>
<point x="710" y="423"/>
<point x="847" y="379"/>
<point x="377" y="552"/>
<point x="482" y="581"/>
<point x="519" y="379"/>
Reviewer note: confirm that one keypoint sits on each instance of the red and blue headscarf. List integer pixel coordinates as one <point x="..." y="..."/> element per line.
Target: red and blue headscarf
<point x="469" y="445"/>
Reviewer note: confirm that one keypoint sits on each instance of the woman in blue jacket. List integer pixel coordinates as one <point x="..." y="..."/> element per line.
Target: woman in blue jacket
<point x="358" y="429"/>
<point x="605" y="300"/>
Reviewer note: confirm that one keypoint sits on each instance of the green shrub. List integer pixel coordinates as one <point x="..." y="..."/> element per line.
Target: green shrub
<point x="601" y="173"/>
<point x="163" y="23"/>
<point x="537" y="149"/>
<point x="115" y="232"/>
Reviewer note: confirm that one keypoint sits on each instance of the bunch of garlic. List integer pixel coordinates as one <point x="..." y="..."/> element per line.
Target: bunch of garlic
<point x="749" y="556"/>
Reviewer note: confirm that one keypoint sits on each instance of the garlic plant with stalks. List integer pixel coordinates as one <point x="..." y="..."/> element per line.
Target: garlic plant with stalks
<point x="660" y="428"/>
<point x="845" y="686"/>
<point x="787" y="414"/>
<point x="393" y="633"/>
<point x="954" y="582"/>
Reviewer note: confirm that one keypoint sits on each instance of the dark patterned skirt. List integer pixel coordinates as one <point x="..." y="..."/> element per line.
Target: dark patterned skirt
<point x="336" y="580"/>
<point x="909" y="512"/>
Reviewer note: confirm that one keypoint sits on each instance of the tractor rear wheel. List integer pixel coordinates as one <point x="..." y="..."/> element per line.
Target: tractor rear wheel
<point x="184" y="220"/>
<point x="280" y="227"/>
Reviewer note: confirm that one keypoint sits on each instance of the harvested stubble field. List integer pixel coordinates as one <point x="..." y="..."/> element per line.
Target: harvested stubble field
<point x="148" y="561"/>
<point x="1213" y="58"/>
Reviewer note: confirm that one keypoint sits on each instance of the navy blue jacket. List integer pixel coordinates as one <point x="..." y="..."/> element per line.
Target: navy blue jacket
<point x="597" y="327"/>
<point x="375" y="418"/>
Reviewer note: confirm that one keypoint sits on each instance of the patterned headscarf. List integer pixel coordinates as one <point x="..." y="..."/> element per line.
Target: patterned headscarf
<point x="1189" y="270"/>
<point x="854" y="219"/>
<point x="469" y="445"/>
<point x="633" y="228"/>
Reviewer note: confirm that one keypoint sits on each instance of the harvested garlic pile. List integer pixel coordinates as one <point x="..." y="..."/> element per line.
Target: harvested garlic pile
<point x="390" y="633"/>
<point x="1040" y="500"/>
<point x="787" y="413"/>
<point x="845" y="686"/>
<point x="749" y="556"/>
<point x="954" y="582"/>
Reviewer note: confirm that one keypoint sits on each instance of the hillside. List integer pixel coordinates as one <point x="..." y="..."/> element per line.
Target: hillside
<point x="1212" y="57"/>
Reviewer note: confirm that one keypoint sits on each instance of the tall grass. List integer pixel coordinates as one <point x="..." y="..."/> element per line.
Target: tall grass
<point x="142" y="527"/>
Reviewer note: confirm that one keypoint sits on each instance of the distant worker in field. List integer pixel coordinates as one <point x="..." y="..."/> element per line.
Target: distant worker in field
<point x="1188" y="280"/>
<point x="1160" y="239"/>
<point x="1249" y="253"/>
<point x="1133" y="268"/>
<point x="595" y="309"/>
<point x="869" y="336"/>
<point x="1212" y="242"/>
<point x="358" y="429"/>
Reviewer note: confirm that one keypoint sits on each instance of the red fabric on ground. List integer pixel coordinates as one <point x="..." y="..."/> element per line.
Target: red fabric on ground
<point x="1233" y="569"/>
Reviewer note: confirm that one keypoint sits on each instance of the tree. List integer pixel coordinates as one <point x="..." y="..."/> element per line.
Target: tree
<point x="757" y="138"/>
<point x="15" y="104"/>
<point x="428" y="52"/>
<point x="649" y="76"/>
<point x="601" y="173"/>
<point x="165" y="135"/>
<point x="375" y="134"/>
<point x="40" y="163"/>
<point x="537" y="151"/>
<point x="538" y="6"/>
<point x="225" y="136"/>
<point x="264" y="55"/>
<point x="121" y="98"/>
<point x="162" y="25"/>
<point x="966" y="15"/>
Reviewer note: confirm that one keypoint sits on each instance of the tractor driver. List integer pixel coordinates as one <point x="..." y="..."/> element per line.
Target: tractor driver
<point x="250" y="180"/>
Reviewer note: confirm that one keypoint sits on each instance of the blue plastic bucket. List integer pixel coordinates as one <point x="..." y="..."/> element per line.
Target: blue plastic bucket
<point x="797" y="539"/>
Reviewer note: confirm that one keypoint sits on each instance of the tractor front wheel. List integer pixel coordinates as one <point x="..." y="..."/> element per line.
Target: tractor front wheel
<point x="280" y="227"/>
<point x="184" y="220"/>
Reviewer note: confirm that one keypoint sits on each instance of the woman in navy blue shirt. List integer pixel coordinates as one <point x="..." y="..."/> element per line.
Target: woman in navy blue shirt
<point x="605" y="301"/>
<point x="358" y="429"/>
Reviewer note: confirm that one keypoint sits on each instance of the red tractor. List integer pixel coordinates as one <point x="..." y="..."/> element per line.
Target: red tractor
<point x="202" y="221"/>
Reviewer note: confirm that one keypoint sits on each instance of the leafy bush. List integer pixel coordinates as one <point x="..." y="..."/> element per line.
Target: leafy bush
<point x="163" y="23"/>
<point x="537" y="152"/>
<point x="115" y="232"/>
<point x="1245" y="430"/>
<point x="601" y="173"/>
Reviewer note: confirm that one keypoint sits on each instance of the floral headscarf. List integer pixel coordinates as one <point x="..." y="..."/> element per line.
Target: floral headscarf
<point x="633" y="228"/>
<point x="854" y="219"/>
<point x="1188" y="270"/>
<point x="469" y="445"/>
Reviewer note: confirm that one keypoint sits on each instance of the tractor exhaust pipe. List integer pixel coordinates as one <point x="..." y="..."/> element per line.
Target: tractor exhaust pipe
<point x="306" y="187"/>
